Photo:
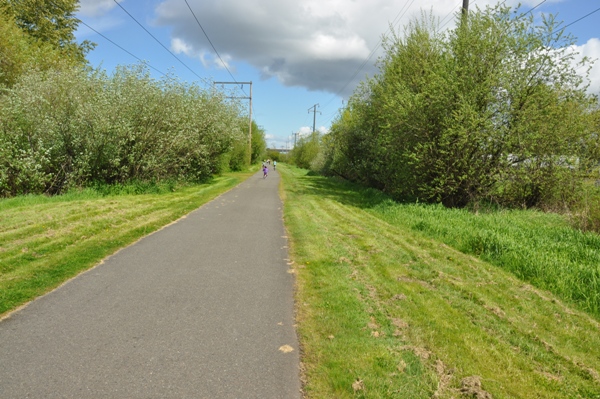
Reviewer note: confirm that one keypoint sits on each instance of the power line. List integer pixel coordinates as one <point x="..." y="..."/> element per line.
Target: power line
<point x="215" y="50"/>
<point x="159" y="42"/>
<point x="539" y="4"/>
<point x="529" y="11"/>
<point x="577" y="20"/>
<point x="211" y="43"/>
<point x="128" y="52"/>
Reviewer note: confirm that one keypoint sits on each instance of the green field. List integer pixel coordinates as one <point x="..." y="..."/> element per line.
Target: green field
<point x="389" y="306"/>
<point x="393" y="300"/>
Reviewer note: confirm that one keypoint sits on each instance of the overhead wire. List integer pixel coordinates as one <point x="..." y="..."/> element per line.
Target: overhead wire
<point x="452" y="11"/>
<point x="577" y="20"/>
<point x="125" y="50"/>
<point x="159" y="42"/>
<point x="216" y="52"/>
<point x="210" y="41"/>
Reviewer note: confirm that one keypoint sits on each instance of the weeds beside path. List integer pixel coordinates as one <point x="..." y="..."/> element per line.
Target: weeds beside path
<point x="44" y="241"/>
<point x="384" y="311"/>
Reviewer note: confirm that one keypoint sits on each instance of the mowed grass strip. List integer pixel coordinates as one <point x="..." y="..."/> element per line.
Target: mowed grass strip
<point x="384" y="311"/>
<point x="44" y="241"/>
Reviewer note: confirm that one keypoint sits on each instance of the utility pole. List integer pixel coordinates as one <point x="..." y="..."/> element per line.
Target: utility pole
<point x="465" y="8"/>
<point x="250" y="112"/>
<point x="314" y="111"/>
<point x="295" y="134"/>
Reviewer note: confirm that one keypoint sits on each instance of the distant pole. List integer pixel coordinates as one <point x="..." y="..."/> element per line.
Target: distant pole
<point x="250" y="130"/>
<point x="241" y="84"/>
<point x="314" y="111"/>
<point x="465" y="8"/>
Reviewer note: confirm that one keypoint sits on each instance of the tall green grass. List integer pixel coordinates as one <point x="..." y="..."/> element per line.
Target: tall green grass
<point x="385" y="311"/>
<point x="537" y="247"/>
<point x="540" y="248"/>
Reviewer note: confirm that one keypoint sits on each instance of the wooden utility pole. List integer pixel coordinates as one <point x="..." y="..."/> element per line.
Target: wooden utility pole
<point x="465" y="8"/>
<point x="250" y="112"/>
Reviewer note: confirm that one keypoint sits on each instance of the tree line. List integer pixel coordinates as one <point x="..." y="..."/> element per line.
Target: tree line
<point x="493" y="111"/>
<point x="64" y="124"/>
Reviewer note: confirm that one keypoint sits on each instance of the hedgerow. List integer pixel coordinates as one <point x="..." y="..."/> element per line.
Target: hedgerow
<point x="69" y="128"/>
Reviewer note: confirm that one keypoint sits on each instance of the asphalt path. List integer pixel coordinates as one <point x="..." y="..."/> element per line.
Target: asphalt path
<point x="200" y="309"/>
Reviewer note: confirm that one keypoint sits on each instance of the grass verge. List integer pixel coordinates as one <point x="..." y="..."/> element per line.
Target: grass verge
<point x="385" y="311"/>
<point x="44" y="241"/>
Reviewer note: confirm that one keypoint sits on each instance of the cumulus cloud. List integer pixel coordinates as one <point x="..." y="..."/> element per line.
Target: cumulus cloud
<point x="316" y="44"/>
<point x="591" y="50"/>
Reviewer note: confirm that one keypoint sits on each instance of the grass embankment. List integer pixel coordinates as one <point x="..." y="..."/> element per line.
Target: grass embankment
<point x="386" y="312"/>
<point x="46" y="240"/>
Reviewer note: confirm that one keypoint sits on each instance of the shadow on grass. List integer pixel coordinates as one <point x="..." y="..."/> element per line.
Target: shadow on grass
<point x="340" y="190"/>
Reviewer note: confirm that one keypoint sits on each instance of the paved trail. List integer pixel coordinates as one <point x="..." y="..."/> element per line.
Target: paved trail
<point x="199" y="309"/>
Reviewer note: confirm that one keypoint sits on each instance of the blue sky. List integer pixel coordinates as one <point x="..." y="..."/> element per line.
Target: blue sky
<point x="296" y="53"/>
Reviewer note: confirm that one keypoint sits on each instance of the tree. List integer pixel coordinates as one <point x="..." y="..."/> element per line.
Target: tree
<point x="52" y="22"/>
<point x="259" y="144"/>
<point x="492" y="110"/>
<point x="306" y="151"/>
<point x="20" y="53"/>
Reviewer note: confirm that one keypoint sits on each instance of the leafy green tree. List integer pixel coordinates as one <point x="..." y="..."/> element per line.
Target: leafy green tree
<point x="52" y="22"/>
<point x="20" y="53"/>
<point x="237" y="157"/>
<point x="493" y="110"/>
<point x="276" y="155"/>
<point x="259" y="144"/>
<point x="307" y="151"/>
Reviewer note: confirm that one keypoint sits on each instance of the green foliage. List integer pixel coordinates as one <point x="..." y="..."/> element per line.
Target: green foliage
<point x="492" y="111"/>
<point x="20" y="53"/>
<point x="51" y="22"/>
<point x="278" y="156"/>
<point x="307" y="151"/>
<point x="237" y="158"/>
<point x="259" y="144"/>
<point x="73" y="128"/>
<point x="274" y="155"/>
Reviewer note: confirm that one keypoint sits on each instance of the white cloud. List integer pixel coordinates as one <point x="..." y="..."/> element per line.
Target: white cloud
<point x="208" y="60"/>
<point x="305" y="131"/>
<point x="316" y="44"/>
<point x="95" y="8"/>
<point x="591" y="49"/>
<point x="323" y="130"/>
<point x="179" y="46"/>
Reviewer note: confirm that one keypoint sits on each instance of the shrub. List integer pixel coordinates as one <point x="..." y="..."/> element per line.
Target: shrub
<point x="62" y="129"/>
